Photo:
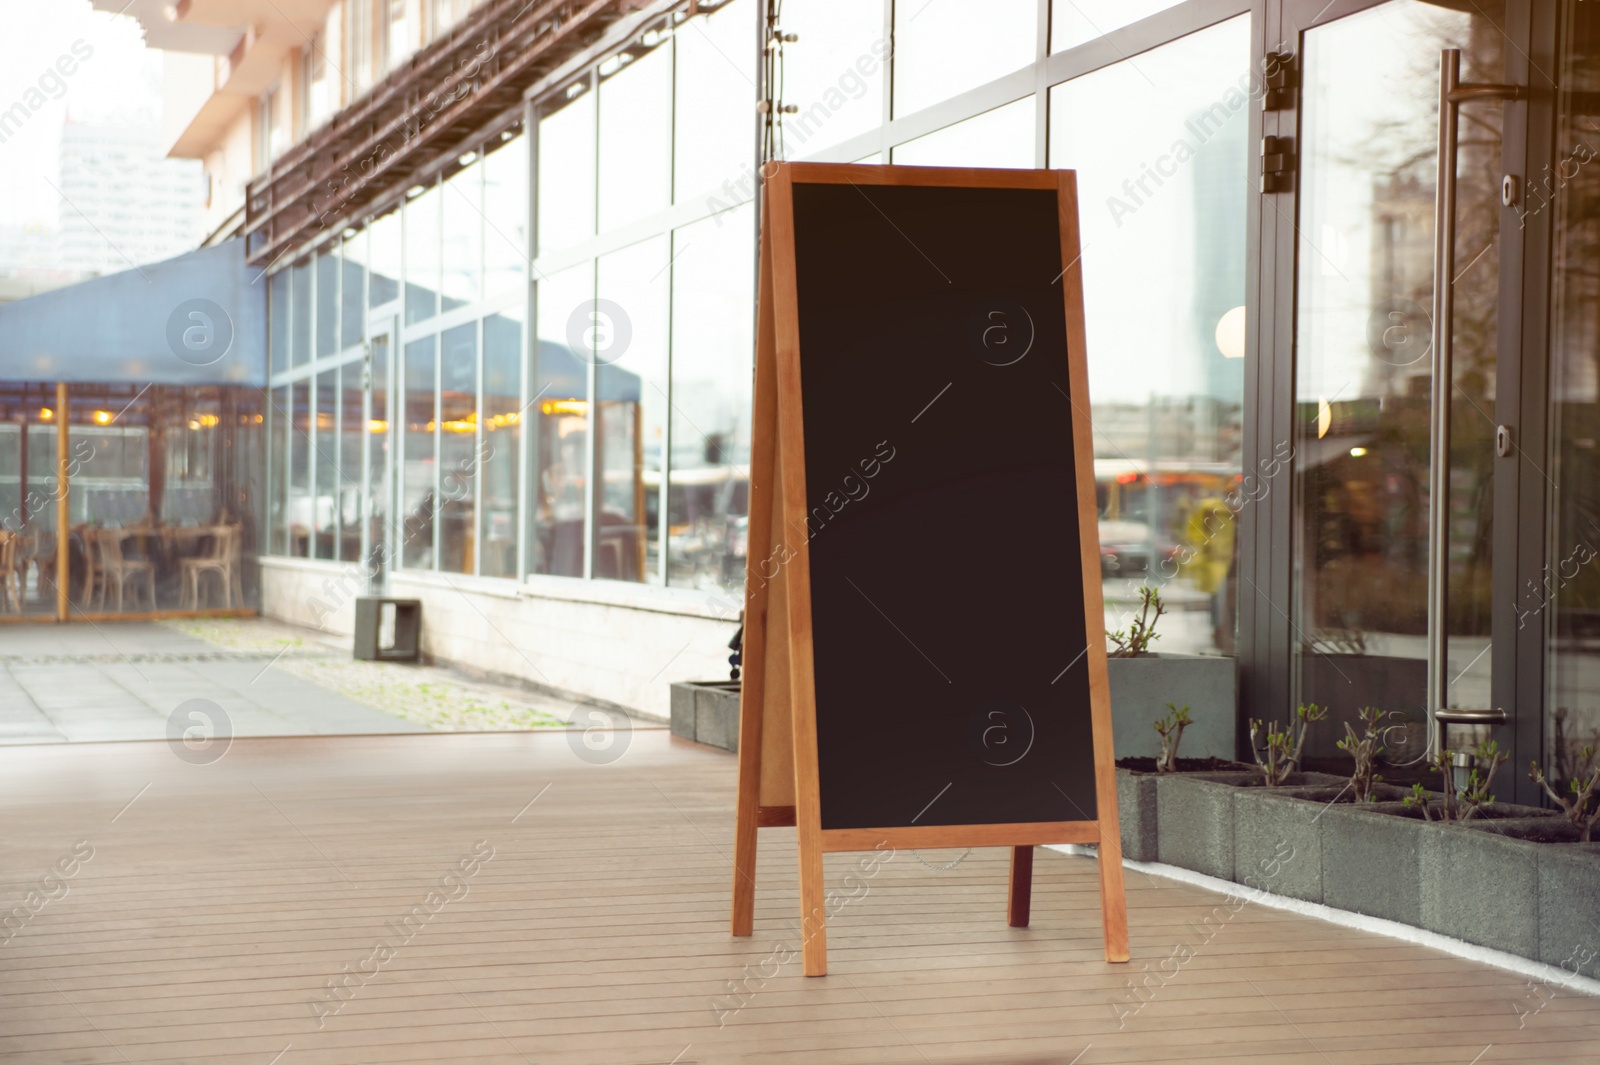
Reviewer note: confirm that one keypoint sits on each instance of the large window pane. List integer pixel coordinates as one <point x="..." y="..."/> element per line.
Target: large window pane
<point x="833" y="73"/>
<point x="499" y="464"/>
<point x="458" y="446"/>
<point x="379" y="488"/>
<point x="708" y="503"/>
<point x="636" y="139"/>
<point x="463" y="237"/>
<point x="1572" y="593"/>
<point x="1075" y="22"/>
<point x="353" y="302"/>
<point x="1165" y="228"/>
<point x="1002" y="137"/>
<point x="300" y="514"/>
<point x="385" y="251"/>
<point x="505" y="202"/>
<point x="628" y="328"/>
<point x="566" y="173"/>
<point x="422" y="256"/>
<point x="715" y="128"/>
<point x="349" y="490"/>
<point x="325" y="504"/>
<point x="278" y="417"/>
<point x="327" y="303"/>
<point x="418" y="499"/>
<point x="561" y="427"/>
<point x="278" y="319"/>
<point x="300" y="313"/>
<point x="944" y="47"/>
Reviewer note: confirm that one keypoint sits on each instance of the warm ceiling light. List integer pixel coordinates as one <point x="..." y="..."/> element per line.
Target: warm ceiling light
<point x="414" y="191"/>
<point x="103" y="417"/>
<point x="467" y="158"/>
<point x="1357" y="452"/>
<point x="45" y="414"/>
<point x="1230" y="334"/>
<point x="170" y="12"/>
<point x="1324" y="417"/>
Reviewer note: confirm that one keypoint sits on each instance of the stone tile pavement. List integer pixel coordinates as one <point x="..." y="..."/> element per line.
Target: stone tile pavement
<point x="97" y="682"/>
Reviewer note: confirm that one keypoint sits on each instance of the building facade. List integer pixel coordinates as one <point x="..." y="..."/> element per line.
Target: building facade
<point x="509" y="251"/>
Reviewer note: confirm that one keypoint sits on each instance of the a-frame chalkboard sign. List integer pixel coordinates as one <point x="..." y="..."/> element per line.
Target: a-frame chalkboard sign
<point x="924" y="644"/>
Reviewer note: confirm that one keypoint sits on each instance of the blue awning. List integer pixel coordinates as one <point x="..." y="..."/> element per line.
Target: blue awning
<point x="199" y="318"/>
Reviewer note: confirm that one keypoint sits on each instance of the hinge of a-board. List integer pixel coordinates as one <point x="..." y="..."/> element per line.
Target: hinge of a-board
<point x="1281" y="75"/>
<point x="1277" y="164"/>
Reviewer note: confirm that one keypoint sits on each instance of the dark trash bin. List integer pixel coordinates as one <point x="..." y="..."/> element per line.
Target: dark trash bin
<point x="407" y="625"/>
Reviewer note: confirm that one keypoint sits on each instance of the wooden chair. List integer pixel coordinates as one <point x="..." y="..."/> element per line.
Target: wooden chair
<point x="10" y="587"/>
<point x="119" y="571"/>
<point x="221" y="559"/>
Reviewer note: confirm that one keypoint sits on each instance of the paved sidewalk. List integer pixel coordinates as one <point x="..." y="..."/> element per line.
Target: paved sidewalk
<point x="88" y="683"/>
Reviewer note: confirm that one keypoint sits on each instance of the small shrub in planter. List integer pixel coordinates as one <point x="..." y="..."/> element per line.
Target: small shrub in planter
<point x="1365" y="749"/>
<point x="1468" y="801"/>
<point x="1277" y="750"/>
<point x="1580" y="804"/>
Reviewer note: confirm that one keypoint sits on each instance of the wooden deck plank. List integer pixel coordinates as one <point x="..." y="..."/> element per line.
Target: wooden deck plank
<point x="219" y="902"/>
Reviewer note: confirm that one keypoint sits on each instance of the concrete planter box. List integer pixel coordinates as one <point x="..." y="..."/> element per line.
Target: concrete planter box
<point x="707" y="712"/>
<point x="1371" y="860"/>
<point x="1195" y="812"/>
<point x="1277" y="843"/>
<point x="1142" y="687"/>
<point x="1482" y="886"/>
<point x="1136" y="814"/>
<point x="1569" y="895"/>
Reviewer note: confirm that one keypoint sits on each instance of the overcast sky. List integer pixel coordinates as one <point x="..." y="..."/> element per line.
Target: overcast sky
<point x="119" y="83"/>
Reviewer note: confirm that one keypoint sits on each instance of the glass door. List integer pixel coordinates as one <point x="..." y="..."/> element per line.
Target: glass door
<point x="377" y="531"/>
<point x="1394" y="509"/>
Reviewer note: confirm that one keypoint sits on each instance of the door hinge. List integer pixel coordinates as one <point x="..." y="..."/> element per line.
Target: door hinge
<point x="1277" y="163"/>
<point x="1281" y="76"/>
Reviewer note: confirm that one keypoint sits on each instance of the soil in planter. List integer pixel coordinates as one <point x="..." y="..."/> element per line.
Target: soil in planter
<point x="1343" y="793"/>
<point x="1491" y="813"/>
<point x="1543" y="830"/>
<point x="1185" y="765"/>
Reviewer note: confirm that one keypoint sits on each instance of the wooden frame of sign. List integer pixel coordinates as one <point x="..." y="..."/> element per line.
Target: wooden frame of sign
<point x="780" y="781"/>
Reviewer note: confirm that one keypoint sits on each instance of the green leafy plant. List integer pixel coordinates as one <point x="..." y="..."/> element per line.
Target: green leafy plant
<point x="1171" y="729"/>
<point x="1136" y="638"/>
<point x="1277" y="749"/>
<point x="1575" y="805"/>
<point x="1365" y="749"/>
<point x="1469" y="800"/>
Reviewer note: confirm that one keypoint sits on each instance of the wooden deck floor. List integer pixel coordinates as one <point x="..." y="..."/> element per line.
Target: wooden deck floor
<point x="220" y="900"/>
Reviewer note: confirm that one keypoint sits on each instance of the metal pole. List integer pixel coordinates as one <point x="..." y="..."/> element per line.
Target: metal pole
<point x="63" y="572"/>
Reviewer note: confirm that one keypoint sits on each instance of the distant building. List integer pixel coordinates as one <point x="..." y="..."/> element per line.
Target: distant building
<point x="123" y="203"/>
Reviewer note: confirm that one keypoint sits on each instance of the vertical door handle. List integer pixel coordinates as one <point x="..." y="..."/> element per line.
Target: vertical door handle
<point x="1452" y="94"/>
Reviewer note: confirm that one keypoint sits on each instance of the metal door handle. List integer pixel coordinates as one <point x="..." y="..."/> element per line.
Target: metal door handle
<point x="1452" y="94"/>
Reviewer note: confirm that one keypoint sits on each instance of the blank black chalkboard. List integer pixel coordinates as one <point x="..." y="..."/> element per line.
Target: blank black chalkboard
<point x="924" y="641"/>
<point x="946" y="567"/>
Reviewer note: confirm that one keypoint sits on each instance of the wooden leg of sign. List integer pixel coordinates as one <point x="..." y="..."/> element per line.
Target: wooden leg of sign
<point x="1021" y="902"/>
<point x="1113" y="903"/>
<point x="746" y="824"/>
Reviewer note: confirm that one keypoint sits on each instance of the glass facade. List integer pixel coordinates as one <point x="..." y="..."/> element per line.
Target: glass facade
<point x="587" y="414"/>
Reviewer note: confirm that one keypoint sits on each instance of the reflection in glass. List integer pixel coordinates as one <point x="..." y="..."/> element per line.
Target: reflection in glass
<point x="941" y="49"/>
<point x="833" y="74"/>
<point x="327" y="303"/>
<point x="500" y="462"/>
<point x="353" y="302"/>
<point x="635" y="139"/>
<point x="463" y="237"/>
<point x="1166" y="398"/>
<point x="716" y="97"/>
<point x="1363" y="369"/>
<point x="300" y="521"/>
<point x="379" y="490"/>
<point x="712" y="337"/>
<point x="300" y="313"/>
<point x="505" y="202"/>
<point x="418" y="498"/>
<point x="1568" y="598"/>
<point x="422" y="255"/>
<point x="631" y="412"/>
<point x="458" y="448"/>
<point x="325" y="459"/>
<point x="278" y="320"/>
<point x="1075" y="22"/>
<point x="278" y="440"/>
<point x="566" y="173"/>
<point x="385" y="252"/>
<point x="348" y="488"/>
<point x="561" y="428"/>
<point x="1001" y="138"/>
